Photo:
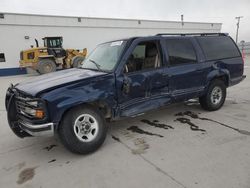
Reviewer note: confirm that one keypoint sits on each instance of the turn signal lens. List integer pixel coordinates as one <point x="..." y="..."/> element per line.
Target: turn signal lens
<point x="39" y="114"/>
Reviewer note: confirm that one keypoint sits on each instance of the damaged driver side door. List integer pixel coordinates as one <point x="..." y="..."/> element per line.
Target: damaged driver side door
<point x="141" y="77"/>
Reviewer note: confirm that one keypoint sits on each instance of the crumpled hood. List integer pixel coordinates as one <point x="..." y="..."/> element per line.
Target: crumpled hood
<point x="40" y="83"/>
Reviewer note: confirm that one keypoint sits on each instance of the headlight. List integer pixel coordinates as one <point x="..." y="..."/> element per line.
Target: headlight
<point x="37" y="113"/>
<point x="33" y="103"/>
<point x="29" y="111"/>
<point x="31" y="108"/>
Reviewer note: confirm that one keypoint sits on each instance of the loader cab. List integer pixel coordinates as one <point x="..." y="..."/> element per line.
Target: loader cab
<point x="53" y="42"/>
<point x="54" y="45"/>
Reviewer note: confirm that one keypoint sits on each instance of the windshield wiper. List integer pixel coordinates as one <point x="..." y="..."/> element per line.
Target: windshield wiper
<point x="96" y="64"/>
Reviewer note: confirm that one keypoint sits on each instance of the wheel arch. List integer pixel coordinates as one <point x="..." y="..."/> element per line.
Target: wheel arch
<point x="100" y="105"/>
<point x="223" y="75"/>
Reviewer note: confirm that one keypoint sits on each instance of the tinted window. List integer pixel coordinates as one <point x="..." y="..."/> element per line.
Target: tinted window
<point x="180" y="51"/>
<point x="218" y="47"/>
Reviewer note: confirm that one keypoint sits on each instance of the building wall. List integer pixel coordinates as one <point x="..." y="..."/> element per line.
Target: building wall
<point x="80" y="32"/>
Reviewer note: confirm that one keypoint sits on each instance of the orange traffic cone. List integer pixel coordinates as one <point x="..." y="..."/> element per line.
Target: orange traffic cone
<point x="243" y="56"/>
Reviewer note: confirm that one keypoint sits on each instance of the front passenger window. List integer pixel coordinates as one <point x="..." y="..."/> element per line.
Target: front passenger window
<point x="145" y="56"/>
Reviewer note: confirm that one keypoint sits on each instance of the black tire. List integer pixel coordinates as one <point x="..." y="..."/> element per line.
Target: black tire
<point x="77" y="61"/>
<point x="46" y="66"/>
<point x="71" y="140"/>
<point x="210" y="103"/>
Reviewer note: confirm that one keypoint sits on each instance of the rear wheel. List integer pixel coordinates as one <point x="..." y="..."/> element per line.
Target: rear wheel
<point x="83" y="130"/>
<point x="215" y="96"/>
<point x="46" y="66"/>
<point x="77" y="61"/>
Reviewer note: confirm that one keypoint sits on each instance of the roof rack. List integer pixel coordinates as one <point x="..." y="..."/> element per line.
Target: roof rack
<point x="192" y="34"/>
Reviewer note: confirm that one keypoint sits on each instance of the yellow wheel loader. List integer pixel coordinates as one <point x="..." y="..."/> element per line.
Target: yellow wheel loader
<point x="51" y="57"/>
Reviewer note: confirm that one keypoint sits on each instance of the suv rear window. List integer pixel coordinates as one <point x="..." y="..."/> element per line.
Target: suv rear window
<point x="218" y="47"/>
<point x="180" y="51"/>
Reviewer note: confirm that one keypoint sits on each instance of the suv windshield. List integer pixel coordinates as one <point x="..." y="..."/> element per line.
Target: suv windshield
<point x="105" y="56"/>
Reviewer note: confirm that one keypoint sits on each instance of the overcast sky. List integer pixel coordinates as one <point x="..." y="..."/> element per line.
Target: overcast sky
<point x="222" y="11"/>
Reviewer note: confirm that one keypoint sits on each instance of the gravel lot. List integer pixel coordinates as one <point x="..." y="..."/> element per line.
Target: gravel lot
<point x="178" y="146"/>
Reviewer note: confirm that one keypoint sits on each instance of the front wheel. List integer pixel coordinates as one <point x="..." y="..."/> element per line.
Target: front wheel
<point x="215" y="96"/>
<point x="83" y="130"/>
<point x="46" y="66"/>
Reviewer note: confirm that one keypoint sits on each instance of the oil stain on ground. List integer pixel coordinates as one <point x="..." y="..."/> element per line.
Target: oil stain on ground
<point x="193" y="127"/>
<point x="141" y="146"/>
<point x="51" y="161"/>
<point x="140" y="131"/>
<point x="116" y="138"/>
<point x="26" y="175"/>
<point x="156" y="123"/>
<point x="48" y="148"/>
<point x="127" y="134"/>
<point x="140" y="143"/>
<point x="196" y="116"/>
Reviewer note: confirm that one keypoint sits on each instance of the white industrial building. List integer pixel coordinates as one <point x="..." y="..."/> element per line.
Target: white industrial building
<point x="19" y="31"/>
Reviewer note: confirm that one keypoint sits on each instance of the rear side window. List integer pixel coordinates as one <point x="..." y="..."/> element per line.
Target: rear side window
<point x="218" y="47"/>
<point x="180" y="51"/>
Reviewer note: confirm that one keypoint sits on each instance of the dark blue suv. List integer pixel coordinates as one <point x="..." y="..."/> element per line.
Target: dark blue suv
<point x="124" y="78"/>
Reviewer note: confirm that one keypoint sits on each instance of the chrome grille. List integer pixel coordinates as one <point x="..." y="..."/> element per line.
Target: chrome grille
<point x="22" y="106"/>
<point x="26" y="106"/>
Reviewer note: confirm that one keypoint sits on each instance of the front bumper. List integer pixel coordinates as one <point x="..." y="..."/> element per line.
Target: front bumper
<point x="46" y="129"/>
<point x="19" y="125"/>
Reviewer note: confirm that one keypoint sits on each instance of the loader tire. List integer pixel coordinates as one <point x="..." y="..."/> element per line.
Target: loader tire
<point x="77" y="61"/>
<point x="46" y="66"/>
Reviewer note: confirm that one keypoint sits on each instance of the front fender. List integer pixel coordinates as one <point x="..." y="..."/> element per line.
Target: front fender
<point x="62" y="99"/>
